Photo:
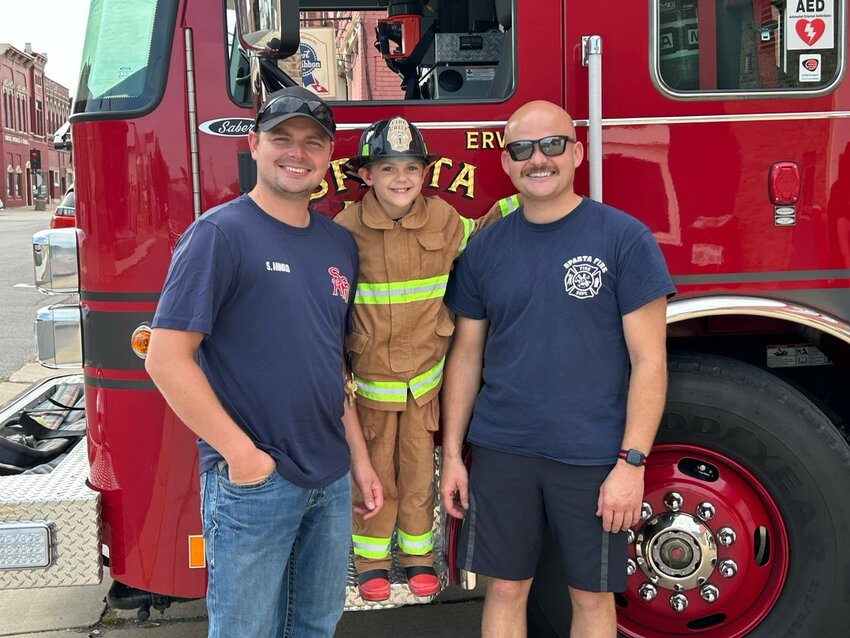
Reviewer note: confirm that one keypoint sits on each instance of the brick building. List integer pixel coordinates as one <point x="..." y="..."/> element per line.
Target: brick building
<point x="367" y="74"/>
<point x="33" y="107"/>
<point x="361" y="71"/>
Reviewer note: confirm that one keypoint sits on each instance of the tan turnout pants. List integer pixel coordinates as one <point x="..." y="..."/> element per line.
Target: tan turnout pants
<point x="401" y="448"/>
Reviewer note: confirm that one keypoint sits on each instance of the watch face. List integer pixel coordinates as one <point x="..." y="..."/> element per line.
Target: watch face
<point x="634" y="457"/>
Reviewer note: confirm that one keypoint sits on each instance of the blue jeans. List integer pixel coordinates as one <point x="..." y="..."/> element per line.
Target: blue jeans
<point x="277" y="556"/>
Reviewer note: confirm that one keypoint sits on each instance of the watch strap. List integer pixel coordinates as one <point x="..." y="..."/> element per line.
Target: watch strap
<point x="632" y="457"/>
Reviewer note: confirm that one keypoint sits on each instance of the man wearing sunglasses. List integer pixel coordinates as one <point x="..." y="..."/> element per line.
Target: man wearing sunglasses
<point x="260" y="289"/>
<point x="565" y="300"/>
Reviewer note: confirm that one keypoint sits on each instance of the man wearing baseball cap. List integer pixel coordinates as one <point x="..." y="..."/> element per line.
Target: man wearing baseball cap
<point x="259" y="294"/>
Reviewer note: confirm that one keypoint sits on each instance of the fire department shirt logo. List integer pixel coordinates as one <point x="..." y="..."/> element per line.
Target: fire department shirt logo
<point x="339" y="283"/>
<point x="399" y="135"/>
<point x="584" y="276"/>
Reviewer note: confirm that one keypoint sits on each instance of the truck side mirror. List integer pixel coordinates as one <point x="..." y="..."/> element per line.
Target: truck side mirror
<point x="268" y="28"/>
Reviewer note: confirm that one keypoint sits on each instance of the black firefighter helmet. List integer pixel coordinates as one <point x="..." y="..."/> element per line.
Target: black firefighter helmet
<point x="393" y="138"/>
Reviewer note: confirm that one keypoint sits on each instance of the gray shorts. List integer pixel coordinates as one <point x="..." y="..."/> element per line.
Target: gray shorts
<point x="512" y="499"/>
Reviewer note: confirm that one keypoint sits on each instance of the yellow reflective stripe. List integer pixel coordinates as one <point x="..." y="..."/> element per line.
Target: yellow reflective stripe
<point x="396" y="391"/>
<point x="509" y="205"/>
<point x="416" y="545"/>
<point x="400" y="286"/>
<point x="384" y="391"/>
<point x="401" y="291"/>
<point x="428" y="380"/>
<point x="468" y="225"/>
<point x="371" y="547"/>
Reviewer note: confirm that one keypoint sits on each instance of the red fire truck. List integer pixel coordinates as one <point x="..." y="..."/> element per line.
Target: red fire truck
<point x="722" y="124"/>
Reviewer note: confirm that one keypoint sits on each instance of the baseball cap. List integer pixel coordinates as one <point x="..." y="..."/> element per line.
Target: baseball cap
<point x="294" y="101"/>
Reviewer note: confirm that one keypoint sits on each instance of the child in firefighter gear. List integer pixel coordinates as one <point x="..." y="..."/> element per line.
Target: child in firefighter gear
<point x="396" y="349"/>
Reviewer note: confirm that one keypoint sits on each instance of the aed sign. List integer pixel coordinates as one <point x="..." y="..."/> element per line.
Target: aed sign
<point x="810" y="24"/>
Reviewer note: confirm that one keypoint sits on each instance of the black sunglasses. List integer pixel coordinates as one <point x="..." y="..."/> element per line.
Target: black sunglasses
<point x="550" y="146"/>
<point x="286" y="104"/>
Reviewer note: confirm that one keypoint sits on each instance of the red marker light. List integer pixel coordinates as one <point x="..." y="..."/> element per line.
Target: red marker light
<point x="783" y="183"/>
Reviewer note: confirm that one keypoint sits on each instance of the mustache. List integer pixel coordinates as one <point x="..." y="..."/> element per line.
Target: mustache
<point x="539" y="167"/>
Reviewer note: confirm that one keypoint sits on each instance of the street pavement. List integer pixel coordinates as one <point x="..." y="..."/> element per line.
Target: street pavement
<point x="19" y="299"/>
<point x="82" y="611"/>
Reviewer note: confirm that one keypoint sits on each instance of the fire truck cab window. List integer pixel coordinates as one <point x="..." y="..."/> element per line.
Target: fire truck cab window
<point x="747" y="46"/>
<point x="394" y="50"/>
<point x="125" y="57"/>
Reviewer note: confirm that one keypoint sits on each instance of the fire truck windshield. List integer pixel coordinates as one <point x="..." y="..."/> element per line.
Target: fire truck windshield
<point x="125" y="57"/>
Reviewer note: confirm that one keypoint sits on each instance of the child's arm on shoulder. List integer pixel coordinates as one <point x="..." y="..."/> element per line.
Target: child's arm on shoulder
<point x="502" y="208"/>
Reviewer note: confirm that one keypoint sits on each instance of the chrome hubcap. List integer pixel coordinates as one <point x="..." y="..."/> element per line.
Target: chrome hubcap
<point x="676" y="551"/>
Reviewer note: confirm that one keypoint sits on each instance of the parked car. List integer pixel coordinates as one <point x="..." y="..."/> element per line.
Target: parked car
<point x="64" y="216"/>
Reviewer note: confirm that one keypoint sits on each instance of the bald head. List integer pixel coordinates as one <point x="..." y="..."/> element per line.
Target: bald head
<point x="541" y="115"/>
<point x="545" y="176"/>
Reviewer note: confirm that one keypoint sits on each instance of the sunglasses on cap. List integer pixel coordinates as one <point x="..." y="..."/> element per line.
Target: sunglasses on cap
<point x="292" y="105"/>
<point x="550" y="146"/>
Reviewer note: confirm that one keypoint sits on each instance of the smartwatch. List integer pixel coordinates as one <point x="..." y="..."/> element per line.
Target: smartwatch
<point x="632" y="457"/>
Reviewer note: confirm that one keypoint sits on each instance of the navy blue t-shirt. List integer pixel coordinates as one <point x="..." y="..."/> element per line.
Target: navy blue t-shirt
<point x="556" y="367"/>
<point x="273" y="301"/>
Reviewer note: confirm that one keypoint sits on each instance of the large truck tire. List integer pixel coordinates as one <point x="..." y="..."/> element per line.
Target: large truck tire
<point x="748" y="486"/>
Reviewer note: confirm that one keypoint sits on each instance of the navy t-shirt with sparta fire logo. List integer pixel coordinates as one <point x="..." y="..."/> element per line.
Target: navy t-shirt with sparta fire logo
<point x="556" y="367"/>
<point x="273" y="302"/>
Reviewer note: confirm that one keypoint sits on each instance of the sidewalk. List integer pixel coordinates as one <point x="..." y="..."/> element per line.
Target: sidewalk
<point x="19" y="381"/>
<point x="27" y="209"/>
<point x="27" y="213"/>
